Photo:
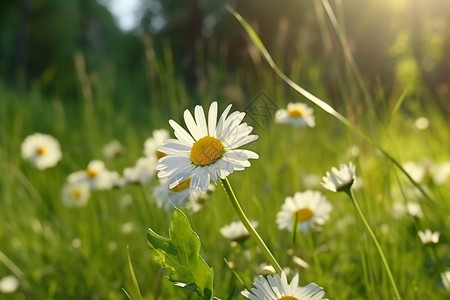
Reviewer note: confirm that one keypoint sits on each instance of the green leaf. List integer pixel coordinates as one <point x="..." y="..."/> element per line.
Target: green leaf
<point x="180" y="256"/>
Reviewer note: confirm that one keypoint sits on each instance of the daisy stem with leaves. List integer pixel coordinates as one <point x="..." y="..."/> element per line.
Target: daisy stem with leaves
<point x="237" y="207"/>
<point x="350" y="193"/>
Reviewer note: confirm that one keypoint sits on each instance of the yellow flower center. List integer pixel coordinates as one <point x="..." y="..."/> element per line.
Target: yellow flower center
<point x="206" y="151"/>
<point x="160" y="154"/>
<point x="41" y="150"/>
<point x="296" y="112"/>
<point x="303" y="214"/>
<point x="288" y="298"/>
<point x="182" y="186"/>
<point x="91" y="173"/>
<point x="75" y="193"/>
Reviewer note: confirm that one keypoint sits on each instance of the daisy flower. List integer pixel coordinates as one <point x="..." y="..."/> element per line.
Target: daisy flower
<point x="208" y="150"/>
<point x="113" y="149"/>
<point x="417" y="171"/>
<point x="276" y="287"/>
<point x="9" y="284"/>
<point x="157" y="139"/>
<point x="96" y="175"/>
<point x="340" y="180"/>
<point x="296" y="114"/>
<point x="428" y="237"/>
<point x="142" y="172"/>
<point x="440" y="173"/>
<point x="236" y="231"/>
<point x="41" y="150"/>
<point x="169" y="198"/>
<point x="307" y="208"/>
<point x="75" y="194"/>
<point x="414" y="210"/>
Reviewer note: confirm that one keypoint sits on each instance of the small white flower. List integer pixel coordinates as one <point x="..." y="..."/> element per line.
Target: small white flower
<point x="296" y="114"/>
<point x="440" y="173"/>
<point x="180" y="195"/>
<point x="428" y="237"/>
<point x="415" y="170"/>
<point x="157" y="139"/>
<point x="9" y="284"/>
<point x="414" y="210"/>
<point x="75" y="194"/>
<point x="113" y="149"/>
<point x="96" y="175"/>
<point x="445" y="276"/>
<point x="209" y="150"/>
<point x="236" y="231"/>
<point x="421" y="123"/>
<point x="142" y="172"/>
<point x="127" y="227"/>
<point x="41" y="150"/>
<point x="306" y="208"/>
<point x="340" y="180"/>
<point x="300" y="263"/>
<point x="276" y="287"/>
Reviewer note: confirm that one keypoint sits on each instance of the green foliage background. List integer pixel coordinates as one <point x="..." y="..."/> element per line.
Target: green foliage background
<point x="88" y="90"/>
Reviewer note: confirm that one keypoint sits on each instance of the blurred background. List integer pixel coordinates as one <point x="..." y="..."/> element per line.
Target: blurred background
<point x="53" y="45"/>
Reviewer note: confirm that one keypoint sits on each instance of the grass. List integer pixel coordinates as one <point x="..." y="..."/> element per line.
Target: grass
<point x="82" y="253"/>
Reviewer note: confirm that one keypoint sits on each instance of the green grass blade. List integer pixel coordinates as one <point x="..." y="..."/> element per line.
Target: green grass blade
<point x="133" y="276"/>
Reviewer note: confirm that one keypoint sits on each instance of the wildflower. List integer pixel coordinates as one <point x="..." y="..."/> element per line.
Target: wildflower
<point x="421" y="123"/>
<point x="157" y="139"/>
<point x="440" y="173"/>
<point x="127" y="227"/>
<point x="415" y="170"/>
<point x="236" y="231"/>
<point x="300" y="263"/>
<point x="297" y="114"/>
<point x="75" y="194"/>
<point x="276" y="287"/>
<point x="168" y="197"/>
<point x="445" y="276"/>
<point x="142" y="172"/>
<point x="113" y="149"/>
<point x="96" y="175"/>
<point x="41" y="150"/>
<point x="340" y="180"/>
<point x="428" y="237"/>
<point x="428" y="171"/>
<point x="208" y="150"/>
<point x="414" y="210"/>
<point x="307" y="208"/>
<point x="267" y="270"/>
<point x="9" y="284"/>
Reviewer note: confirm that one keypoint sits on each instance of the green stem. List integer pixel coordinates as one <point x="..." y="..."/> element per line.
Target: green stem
<point x="237" y="207"/>
<point x="349" y="192"/>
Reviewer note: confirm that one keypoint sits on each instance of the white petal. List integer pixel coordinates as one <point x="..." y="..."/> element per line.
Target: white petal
<point x="180" y="133"/>
<point x="201" y="121"/>
<point x="212" y="118"/>
<point x="192" y="125"/>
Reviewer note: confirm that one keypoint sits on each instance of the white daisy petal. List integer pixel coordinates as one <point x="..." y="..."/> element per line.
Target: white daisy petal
<point x="192" y="125"/>
<point x="180" y="133"/>
<point x="201" y="121"/>
<point x="212" y="119"/>
<point x="277" y="287"/>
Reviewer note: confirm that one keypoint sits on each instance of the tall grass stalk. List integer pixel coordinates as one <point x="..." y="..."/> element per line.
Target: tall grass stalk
<point x="237" y="207"/>
<point x="372" y="235"/>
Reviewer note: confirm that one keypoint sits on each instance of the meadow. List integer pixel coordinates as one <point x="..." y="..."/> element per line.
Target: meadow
<point x="60" y="252"/>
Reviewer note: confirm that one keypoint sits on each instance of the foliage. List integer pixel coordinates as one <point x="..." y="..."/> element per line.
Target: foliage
<point x="180" y="256"/>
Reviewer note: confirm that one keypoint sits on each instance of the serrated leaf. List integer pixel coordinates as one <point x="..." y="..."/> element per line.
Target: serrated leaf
<point x="180" y="256"/>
